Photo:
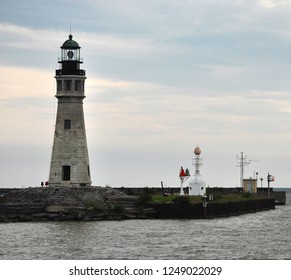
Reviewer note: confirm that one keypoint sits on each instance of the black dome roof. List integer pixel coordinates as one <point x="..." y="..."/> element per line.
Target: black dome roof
<point x="70" y="44"/>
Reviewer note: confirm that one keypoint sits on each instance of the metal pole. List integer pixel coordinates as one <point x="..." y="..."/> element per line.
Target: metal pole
<point x="181" y="187"/>
<point x="242" y="171"/>
<point x="205" y="206"/>
<point x="268" y="185"/>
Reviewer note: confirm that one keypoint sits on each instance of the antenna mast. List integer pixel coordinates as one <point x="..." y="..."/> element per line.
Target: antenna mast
<point x="242" y="161"/>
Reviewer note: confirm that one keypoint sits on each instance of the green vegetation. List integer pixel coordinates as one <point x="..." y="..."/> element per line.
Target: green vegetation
<point x="198" y="199"/>
<point x="147" y="196"/>
<point x="118" y="209"/>
<point x="92" y="205"/>
<point x="232" y="197"/>
<point x="171" y="198"/>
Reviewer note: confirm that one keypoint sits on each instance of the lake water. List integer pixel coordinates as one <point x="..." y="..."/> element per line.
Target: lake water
<point x="262" y="235"/>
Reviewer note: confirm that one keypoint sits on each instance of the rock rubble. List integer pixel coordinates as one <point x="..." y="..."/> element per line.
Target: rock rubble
<point x="67" y="204"/>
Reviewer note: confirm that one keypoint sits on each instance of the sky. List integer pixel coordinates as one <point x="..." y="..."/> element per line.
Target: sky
<point x="163" y="76"/>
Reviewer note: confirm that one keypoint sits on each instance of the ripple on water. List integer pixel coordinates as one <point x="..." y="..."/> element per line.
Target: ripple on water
<point x="260" y="235"/>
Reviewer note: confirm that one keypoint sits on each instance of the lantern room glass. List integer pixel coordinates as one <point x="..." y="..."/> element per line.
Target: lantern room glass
<point x="71" y="54"/>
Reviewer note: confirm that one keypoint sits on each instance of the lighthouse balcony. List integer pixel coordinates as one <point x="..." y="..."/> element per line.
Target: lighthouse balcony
<point x="72" y="95"/>
<point x="77" y="72"/>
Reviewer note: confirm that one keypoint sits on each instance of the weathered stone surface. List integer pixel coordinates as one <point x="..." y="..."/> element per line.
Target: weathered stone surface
<point x="62" y="209"/>
<point x="65" y="203"/>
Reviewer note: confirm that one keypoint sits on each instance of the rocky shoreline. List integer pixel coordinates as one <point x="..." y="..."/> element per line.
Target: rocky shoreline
<point x="68" y="204"/>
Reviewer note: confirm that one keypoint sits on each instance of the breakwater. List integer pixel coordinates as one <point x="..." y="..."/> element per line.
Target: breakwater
<point x="279" y="196"/>
<point x="210" y="210"/>
<point x="96" y="203"/>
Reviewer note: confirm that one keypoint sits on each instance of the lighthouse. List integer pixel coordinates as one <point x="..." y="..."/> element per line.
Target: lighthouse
<point x="196" y="183"/>
<point x="70" y="160"/>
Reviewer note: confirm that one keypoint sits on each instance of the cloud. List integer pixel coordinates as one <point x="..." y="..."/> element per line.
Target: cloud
<point x="150" y="113"/>
<point x="286" y="109"/>
<point x="26" y="105"/>
<point x="19" y="37"/>
<point x="25" y="82"/>
<point x="162" y="77"/>
<point x="274" y="3"/>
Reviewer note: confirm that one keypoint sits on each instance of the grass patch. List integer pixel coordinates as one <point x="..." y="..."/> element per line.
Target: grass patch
<point x="171" y="198"/>
<point x="232" y="198"/>
<point x="198" y="199"/>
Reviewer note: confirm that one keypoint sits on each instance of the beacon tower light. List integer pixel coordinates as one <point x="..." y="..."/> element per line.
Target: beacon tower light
<point x="196" y="184"/>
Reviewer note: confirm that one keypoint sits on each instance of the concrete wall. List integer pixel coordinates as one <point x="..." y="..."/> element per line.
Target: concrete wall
<point x="213" y="210"/>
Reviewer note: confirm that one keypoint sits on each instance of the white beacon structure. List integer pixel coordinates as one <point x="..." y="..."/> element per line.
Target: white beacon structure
<point x="197" y="185"/>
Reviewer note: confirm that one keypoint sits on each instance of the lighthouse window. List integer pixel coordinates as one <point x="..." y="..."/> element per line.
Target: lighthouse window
<point x="68" y="84"/>
<point x="77" y="85"/>
<point x="67" y="124"/>
<point x="59" y="85"/>
<point x="66" y="174"/>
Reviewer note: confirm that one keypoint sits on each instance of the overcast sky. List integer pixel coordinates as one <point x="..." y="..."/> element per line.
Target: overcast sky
<point x="163" y="76"/>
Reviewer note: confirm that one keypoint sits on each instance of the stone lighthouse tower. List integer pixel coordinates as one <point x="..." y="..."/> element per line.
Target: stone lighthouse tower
<point x="70" y="160"/>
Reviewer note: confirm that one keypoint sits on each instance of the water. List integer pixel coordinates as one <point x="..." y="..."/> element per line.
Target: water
<point x="263" y="235"/>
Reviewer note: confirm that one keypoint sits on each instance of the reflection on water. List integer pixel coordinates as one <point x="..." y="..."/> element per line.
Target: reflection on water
<point x="263" y="235"/>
